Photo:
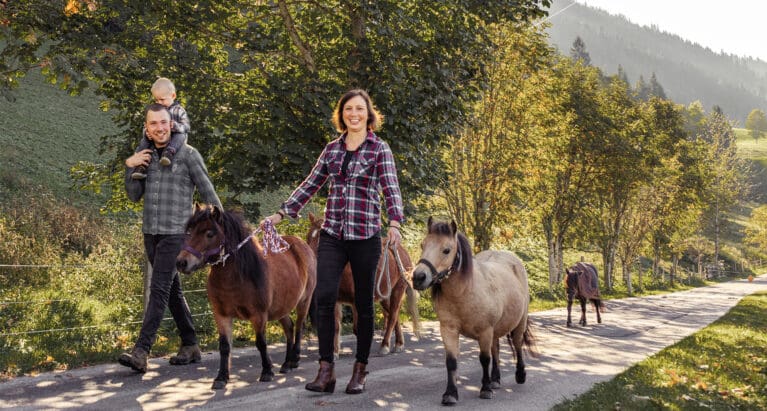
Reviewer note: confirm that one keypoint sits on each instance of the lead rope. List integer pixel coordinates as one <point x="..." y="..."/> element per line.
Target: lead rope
<point x="380" y="274"/>
<point x="385" y="268"/>
<point x="273" y="242"/>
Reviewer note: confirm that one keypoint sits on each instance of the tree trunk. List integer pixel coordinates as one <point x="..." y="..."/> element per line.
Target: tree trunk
<point x="627" y="276"/>
<point x="674" y="263"/>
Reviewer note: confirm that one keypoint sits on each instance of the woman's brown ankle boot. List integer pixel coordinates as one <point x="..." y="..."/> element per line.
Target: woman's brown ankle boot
<point x="357" y="383"/>
<point x="326" y="379"/>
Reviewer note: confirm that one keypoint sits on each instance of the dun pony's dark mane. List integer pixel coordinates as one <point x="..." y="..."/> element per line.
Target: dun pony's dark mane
<point x="467" y="261"/>
<point x="247" y="258"/>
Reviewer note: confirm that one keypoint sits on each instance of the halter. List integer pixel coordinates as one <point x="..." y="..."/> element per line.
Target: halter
<point x="444" y="274"/>
<point x="272" y="242"/>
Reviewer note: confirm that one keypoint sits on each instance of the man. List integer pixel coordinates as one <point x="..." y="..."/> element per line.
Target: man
<point x="167" y="193"/>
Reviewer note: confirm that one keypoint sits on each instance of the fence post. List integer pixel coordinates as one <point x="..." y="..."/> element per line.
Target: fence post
<point x="147" y="283"/>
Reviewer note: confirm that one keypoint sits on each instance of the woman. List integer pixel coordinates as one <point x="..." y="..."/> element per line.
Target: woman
<point x="358" y="165"/>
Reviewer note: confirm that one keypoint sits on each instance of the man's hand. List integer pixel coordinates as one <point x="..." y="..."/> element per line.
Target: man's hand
<point x="143" y="157"/>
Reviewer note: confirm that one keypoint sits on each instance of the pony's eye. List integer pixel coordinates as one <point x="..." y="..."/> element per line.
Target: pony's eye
<point x="446" y="251"/>
<point x="210" y="233"/>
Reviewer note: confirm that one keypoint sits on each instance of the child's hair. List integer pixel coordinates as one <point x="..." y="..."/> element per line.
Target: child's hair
<point x="163" y="84"/>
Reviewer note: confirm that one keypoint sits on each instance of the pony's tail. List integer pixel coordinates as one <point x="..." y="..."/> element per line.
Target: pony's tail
<point x="528" y="340"/>
<point x="412" y="308"/>
<point x="599" y="304"/>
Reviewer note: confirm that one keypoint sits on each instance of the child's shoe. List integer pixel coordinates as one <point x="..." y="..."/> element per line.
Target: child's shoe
<point x="139" y="173"/>
<point x="167" y="157"/>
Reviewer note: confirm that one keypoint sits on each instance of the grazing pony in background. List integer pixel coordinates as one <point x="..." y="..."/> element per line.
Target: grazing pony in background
<point x="484" y="297"/>
<point x="391" y="286"/>
<point x="582" y="282"/>
<point x="245" y="283"/>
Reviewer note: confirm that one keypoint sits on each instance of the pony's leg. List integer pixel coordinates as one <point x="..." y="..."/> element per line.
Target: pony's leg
<point x="224" y="326"/>
<point x="386" y="336"/>
<point x="598" y="308"/>
<point x="569" y="310"/>
<point x="395" y="306"/>
<point x="259" y="325"/>
<point x="288" y="328"/>
<point x="517" y="340"/>
<point x="583" y="311"/>
<point x="302" y="313"/>
<point x="451" y="343"/>
<point x="486" y="347"/>
<point x="495" y="373"/>
<point x="337" y="337"/>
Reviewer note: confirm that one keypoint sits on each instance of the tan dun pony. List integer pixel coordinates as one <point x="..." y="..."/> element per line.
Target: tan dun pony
<point x="245" y="284"/>
<point x="483" y="297"/>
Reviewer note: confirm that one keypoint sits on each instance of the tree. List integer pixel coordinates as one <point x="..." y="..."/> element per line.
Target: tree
<point x="483" y="169"/>
<point x="560" y="174"/>
<point x="756" y="230"/>
<point x="725" y="183"/>
<point x="756" y="123"/>
<point x="656" y="90"/>
<point x="259" y="78"/>
<point x="578" y="52"/>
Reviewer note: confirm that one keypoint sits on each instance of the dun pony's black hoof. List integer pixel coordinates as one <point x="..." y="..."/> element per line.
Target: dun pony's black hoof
<point x="288" y="366"/>
<point x="266" y="376"/>
<point x="448" y="399"/>
<point x="520" y="376"/>
<point x="486" y="394"/>
<point x="218" y="384"/>
<point x="569" y="324"/>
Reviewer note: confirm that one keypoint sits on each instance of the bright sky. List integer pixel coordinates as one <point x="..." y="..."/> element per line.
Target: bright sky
<point x="734" y="26"/>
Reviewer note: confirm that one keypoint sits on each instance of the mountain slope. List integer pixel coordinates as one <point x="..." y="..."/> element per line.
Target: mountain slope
<point x="687" y="71"/>
<point x="44" y="132"/>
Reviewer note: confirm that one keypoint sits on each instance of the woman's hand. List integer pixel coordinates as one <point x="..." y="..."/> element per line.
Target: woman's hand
<point x="274" y="219"/>
<point x="394" y="236"/>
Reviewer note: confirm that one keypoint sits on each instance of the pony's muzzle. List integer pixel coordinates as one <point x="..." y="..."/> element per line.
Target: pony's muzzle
<point x="184" y="263"/>
<point x="421" y="279"/>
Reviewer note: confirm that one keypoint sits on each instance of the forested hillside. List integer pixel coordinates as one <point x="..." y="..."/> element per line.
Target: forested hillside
<point x="687" y="71"/>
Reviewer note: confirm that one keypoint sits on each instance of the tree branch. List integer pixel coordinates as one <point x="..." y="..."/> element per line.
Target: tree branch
<point x="306" y="54"/>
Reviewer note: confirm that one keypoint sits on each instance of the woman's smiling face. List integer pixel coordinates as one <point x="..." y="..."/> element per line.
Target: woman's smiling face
<point x="355" y="114"/>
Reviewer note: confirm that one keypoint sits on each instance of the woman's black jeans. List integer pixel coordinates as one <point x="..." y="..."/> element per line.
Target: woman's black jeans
<point x="332" y="256"/>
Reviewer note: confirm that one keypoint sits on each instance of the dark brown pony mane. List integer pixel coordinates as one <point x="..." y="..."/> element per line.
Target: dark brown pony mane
<point x="467" y="261"/>
<point x="236" y="229"/>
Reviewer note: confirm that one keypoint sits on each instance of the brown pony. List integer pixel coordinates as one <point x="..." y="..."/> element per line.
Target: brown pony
<point x="484" y="298"/>
<point x="245" y="284"/>
<point x="390" y="288"/>
<point x="582" y="282"/>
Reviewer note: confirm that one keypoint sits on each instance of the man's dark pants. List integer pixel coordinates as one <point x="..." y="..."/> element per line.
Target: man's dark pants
<point x="165" y="291"/>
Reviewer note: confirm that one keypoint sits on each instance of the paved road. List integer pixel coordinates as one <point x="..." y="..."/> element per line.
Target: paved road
<point x="571" y="361"/>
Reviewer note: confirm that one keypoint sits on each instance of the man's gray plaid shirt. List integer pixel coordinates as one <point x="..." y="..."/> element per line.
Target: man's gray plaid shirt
<point x="168" y="191"/>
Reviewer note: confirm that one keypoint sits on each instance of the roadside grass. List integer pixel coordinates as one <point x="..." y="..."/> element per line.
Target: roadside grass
<point x="723" y="366"/>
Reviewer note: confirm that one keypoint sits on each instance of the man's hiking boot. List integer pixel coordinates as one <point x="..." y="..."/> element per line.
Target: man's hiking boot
<point x="135" y="359"/>
<point x="186" y="354"/>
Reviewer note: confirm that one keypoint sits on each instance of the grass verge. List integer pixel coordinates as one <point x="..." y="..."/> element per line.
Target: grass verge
<point x="723" y="366"/>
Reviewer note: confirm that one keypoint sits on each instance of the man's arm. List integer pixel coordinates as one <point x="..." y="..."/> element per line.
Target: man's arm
<point x="199" y="174"/>
<point x="135" y="188"/>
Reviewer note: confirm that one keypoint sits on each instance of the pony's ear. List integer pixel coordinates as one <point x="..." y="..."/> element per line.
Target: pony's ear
<point x="312" y="218"/>
<point x="197" y="208"/>
<point x="453" y="227"/>
<point x="429" y="223"/>
<point x="216" y="213"/>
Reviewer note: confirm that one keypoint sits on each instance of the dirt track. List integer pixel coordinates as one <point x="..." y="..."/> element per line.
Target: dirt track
<point x="571" y="361"/>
